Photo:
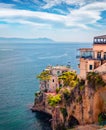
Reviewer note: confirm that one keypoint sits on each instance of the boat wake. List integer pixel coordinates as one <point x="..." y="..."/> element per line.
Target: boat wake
<point x="53" y="57"/>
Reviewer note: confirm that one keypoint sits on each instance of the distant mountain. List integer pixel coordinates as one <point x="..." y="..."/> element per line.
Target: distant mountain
<point x="24" y="40"/>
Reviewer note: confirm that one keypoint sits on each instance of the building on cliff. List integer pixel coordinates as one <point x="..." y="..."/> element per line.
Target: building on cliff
<point x="51" y="84"/>
<point x="82" y="103"/>
<point x="93" y="59"/>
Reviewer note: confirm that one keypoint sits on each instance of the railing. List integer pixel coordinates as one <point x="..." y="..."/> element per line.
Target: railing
<point x="90" y="57"/>
<point x="99" y="42"/>
<point x="85" y="57"/>
<point x="78" y="56"/>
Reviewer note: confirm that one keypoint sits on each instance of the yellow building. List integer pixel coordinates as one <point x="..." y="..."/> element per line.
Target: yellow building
<point x="93" y="59"/>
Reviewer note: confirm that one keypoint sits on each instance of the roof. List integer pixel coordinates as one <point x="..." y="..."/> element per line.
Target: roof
<point x="85" y="49"/>
<point x="60" y="67"/>
<point x="57" y="68"/>
<point x="101" y="37"/>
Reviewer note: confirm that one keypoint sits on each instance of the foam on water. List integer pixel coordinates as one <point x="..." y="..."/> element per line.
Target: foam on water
<point x="53" y="56"/>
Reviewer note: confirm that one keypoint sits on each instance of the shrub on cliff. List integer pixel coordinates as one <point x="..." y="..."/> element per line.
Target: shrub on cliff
<point x="64" y="112"/>
<point x="57" y="90"/>
<point x="102" y="118"/>
<point x="81" y="84"/>
<point x="45" y="75"/>
<point x="95" y="80"/>
<point x="69" y="79"/>
<point x="66" y="94"/>
<point x="54" y="100"/>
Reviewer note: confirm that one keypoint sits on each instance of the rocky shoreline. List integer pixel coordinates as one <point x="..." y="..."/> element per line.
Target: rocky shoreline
<point x="72" y="99"/>
<point x="76" y="111"/>
<point x="89" y="127"/>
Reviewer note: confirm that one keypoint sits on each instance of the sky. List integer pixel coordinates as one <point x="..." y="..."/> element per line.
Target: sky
<point x="60" y="20"/>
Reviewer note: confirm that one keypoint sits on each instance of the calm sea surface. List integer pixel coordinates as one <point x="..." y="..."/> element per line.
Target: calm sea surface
<point x="19" y="65"/>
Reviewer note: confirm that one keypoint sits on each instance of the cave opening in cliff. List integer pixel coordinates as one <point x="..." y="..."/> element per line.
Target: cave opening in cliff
<point x="102" y="118"/>
<point x="44" y="120"/>
<point x="72" y="121"/>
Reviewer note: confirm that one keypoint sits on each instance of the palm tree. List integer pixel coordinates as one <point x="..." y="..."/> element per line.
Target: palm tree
<point x="69" y="79"/>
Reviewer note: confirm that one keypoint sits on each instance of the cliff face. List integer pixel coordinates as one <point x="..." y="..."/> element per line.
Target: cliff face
<point x="82" y="107"/>
<point x="99" y="104"/>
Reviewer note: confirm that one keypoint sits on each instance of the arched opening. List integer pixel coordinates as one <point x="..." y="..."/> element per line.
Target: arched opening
<point x="72" y="121"/>
<point x="102" y="118"/>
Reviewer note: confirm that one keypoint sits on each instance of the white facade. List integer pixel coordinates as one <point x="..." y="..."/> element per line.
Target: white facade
<point x="53" y="83"/>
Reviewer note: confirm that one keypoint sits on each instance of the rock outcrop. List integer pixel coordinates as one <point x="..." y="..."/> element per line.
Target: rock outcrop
<point x="82" y="107"/>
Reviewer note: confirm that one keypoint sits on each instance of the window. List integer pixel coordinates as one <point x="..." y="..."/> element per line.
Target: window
<point x="104" y="55"/>
<point x="99" y="55"/>
<point x="90" y="67"/>
<point x="58" y="73"/>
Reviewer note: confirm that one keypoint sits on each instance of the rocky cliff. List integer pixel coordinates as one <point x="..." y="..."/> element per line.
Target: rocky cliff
<point x="82" y="107"/>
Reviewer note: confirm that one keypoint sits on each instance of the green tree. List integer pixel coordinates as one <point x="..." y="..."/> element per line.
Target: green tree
<point x="54" y="100"/>
<point x="44" y="76"/>
<point x="69" y="79"/>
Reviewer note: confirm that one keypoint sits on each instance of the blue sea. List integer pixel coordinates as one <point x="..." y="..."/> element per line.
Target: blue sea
<point x="19" y="65"/>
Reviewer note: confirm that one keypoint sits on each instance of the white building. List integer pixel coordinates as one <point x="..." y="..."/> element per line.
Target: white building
<point x="53" y="83"/>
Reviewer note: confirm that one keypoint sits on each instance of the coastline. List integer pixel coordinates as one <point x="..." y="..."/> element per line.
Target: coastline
<point x="75" y="99"/>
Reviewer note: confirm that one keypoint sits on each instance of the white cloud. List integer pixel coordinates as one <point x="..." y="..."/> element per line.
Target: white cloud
<point x="29" y="14"/>
<point x="63" y="12"/>
<point x="25" y="22"/>
<point x="3" y="5"/>
<point x="88" y="14"/>
<point x="51" y="3"/>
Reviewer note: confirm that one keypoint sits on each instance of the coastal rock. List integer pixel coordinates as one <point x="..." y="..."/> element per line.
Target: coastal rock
<point x="82" y="108"/>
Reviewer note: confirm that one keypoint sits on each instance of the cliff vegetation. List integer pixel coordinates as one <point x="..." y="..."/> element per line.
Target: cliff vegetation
<point x="75" y="102"/>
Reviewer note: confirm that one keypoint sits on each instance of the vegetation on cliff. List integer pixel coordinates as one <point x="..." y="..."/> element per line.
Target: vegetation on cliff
<point x="69" y="79"/>
<point x="44" y="75"/>
<point x="102" y="118"/>
<point x="53" y="100"/>
<point x="95" y="80"/>
<point x="72" y="98"/>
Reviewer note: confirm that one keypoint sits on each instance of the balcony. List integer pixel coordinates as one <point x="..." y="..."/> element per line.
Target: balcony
<point x="85" y="53"/>
<point x="100" y="39"/>
<point x="85" y="57"/>
<point x="99" y="42"/>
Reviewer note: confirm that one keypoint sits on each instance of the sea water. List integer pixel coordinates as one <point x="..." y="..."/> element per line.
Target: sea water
<point x="19" y="65"/>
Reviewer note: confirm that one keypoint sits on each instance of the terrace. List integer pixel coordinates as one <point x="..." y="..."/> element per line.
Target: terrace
<point x="100" y="40"/>
<point x="88" y="53"/>
<point x="85" y="53"/>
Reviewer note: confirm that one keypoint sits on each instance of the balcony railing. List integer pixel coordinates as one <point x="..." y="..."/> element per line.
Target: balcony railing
<point x="85" y="57"/>
<point x="100" y="42"/>
<point x="90" y="57"/>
